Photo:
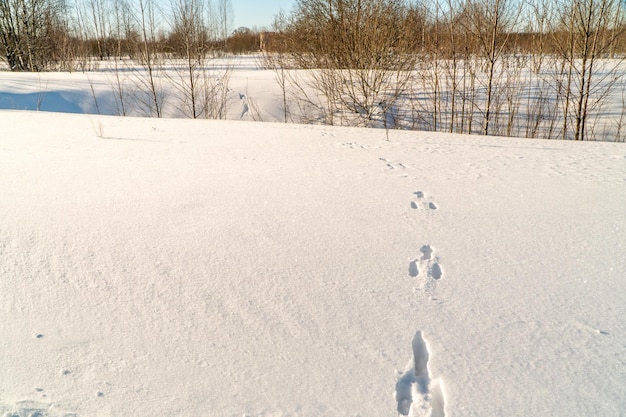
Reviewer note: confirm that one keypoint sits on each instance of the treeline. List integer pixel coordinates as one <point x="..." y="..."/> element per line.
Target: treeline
<point x="543" y="68"/>
<point x="38" y="35"/>
<point x="42" y="35"/>
<point x="539" y="68"/>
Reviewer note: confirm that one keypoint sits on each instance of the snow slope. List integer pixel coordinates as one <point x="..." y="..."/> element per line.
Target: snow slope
<point x="185" y="268"/>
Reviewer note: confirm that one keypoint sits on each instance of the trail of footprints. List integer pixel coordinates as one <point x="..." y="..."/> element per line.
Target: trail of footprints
<point x="426" y="264"/>
<point x="391" y="165"/>
<point x="417" y="393"/>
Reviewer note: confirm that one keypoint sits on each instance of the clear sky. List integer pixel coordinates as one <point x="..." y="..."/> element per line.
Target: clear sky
<point x="259" y="13"/>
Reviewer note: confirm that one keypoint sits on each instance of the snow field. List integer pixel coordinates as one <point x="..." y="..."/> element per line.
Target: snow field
<point x="175" y="267"/>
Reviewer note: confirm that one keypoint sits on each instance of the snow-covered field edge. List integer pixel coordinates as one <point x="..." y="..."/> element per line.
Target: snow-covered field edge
<point x="241" y="88"/>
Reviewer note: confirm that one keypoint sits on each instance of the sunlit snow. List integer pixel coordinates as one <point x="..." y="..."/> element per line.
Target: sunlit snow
<point x="229" y="268"/>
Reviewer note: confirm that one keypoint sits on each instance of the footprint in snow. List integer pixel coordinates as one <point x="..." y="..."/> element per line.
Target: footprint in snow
<point x="422" y="202"/>
<point x="393" y="165"/>
<point x="435" y="271"/>
<point x="416" y="393"/>
<point x="430" y="265"/>
<point x="427" y="252"/>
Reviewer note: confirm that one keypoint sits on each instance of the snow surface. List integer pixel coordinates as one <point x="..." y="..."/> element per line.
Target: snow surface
<point x="252" y="93"/>
<point x="204" y="268"/>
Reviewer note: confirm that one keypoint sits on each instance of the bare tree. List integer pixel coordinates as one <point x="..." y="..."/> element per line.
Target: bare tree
<point x="359" y="55"/>
<point x="124" y="31"/>
<point x="99" y="12"/>
<point x="490" y="22"/>
<point x="190" y="43"/>
<point x="26" y="32"/>
<point x="148" y="54"/>
<point x="586" y="31"/>
<point x="276" y="59"/>
<point x="226" y="17"/>
<point x="212" y="21"/>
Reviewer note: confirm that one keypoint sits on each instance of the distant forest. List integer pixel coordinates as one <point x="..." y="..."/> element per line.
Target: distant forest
<point x="39" y="35"/>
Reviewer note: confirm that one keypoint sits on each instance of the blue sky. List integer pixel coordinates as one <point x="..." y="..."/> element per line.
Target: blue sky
<point x="259" y="13"/>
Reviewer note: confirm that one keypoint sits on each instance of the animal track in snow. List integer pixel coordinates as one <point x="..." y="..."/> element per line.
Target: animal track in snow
<point x="352" y="145"/>
<point x="427" y="252"/>
<point x="416" y="394"/>
<point x="427" y="262"/>
<point x="394" y="165"/>
<point x="422" y="202"/>
<point x="420" y="362"/>
<point x="435" y="271"/>
<point x="427" y="268"/>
